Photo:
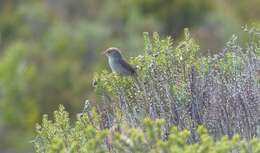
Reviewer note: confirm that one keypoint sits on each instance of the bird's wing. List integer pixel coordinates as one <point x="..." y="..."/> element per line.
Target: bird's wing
<point x="128" y="66"/>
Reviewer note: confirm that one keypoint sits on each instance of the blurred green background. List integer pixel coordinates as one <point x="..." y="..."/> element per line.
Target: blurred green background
<point x="50" y="49"/>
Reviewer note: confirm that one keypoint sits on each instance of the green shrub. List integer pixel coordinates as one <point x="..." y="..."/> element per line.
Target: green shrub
<point x="188" y="90"/>
<point x="59" y="135"/>
<point x="181" y="102"/>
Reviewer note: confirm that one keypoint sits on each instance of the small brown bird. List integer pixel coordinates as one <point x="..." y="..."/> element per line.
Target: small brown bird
<point x="118" y="64"/>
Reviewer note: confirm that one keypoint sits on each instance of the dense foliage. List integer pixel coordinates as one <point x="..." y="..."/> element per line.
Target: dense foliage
<point x="59" y="135"/>
<point x="216" y="95"/>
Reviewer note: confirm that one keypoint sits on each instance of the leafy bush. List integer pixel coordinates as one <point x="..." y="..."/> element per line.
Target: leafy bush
<point x="181" y="102"/>
<point x="218" y="91"/>
<point x="59" y="135"/>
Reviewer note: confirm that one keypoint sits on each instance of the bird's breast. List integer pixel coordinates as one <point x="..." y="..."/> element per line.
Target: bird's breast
<point x="114" y="65"/>
<point x="117" y="66"/>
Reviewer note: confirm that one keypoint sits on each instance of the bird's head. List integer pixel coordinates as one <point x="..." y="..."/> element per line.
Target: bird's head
<point x="113" y="52"/>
